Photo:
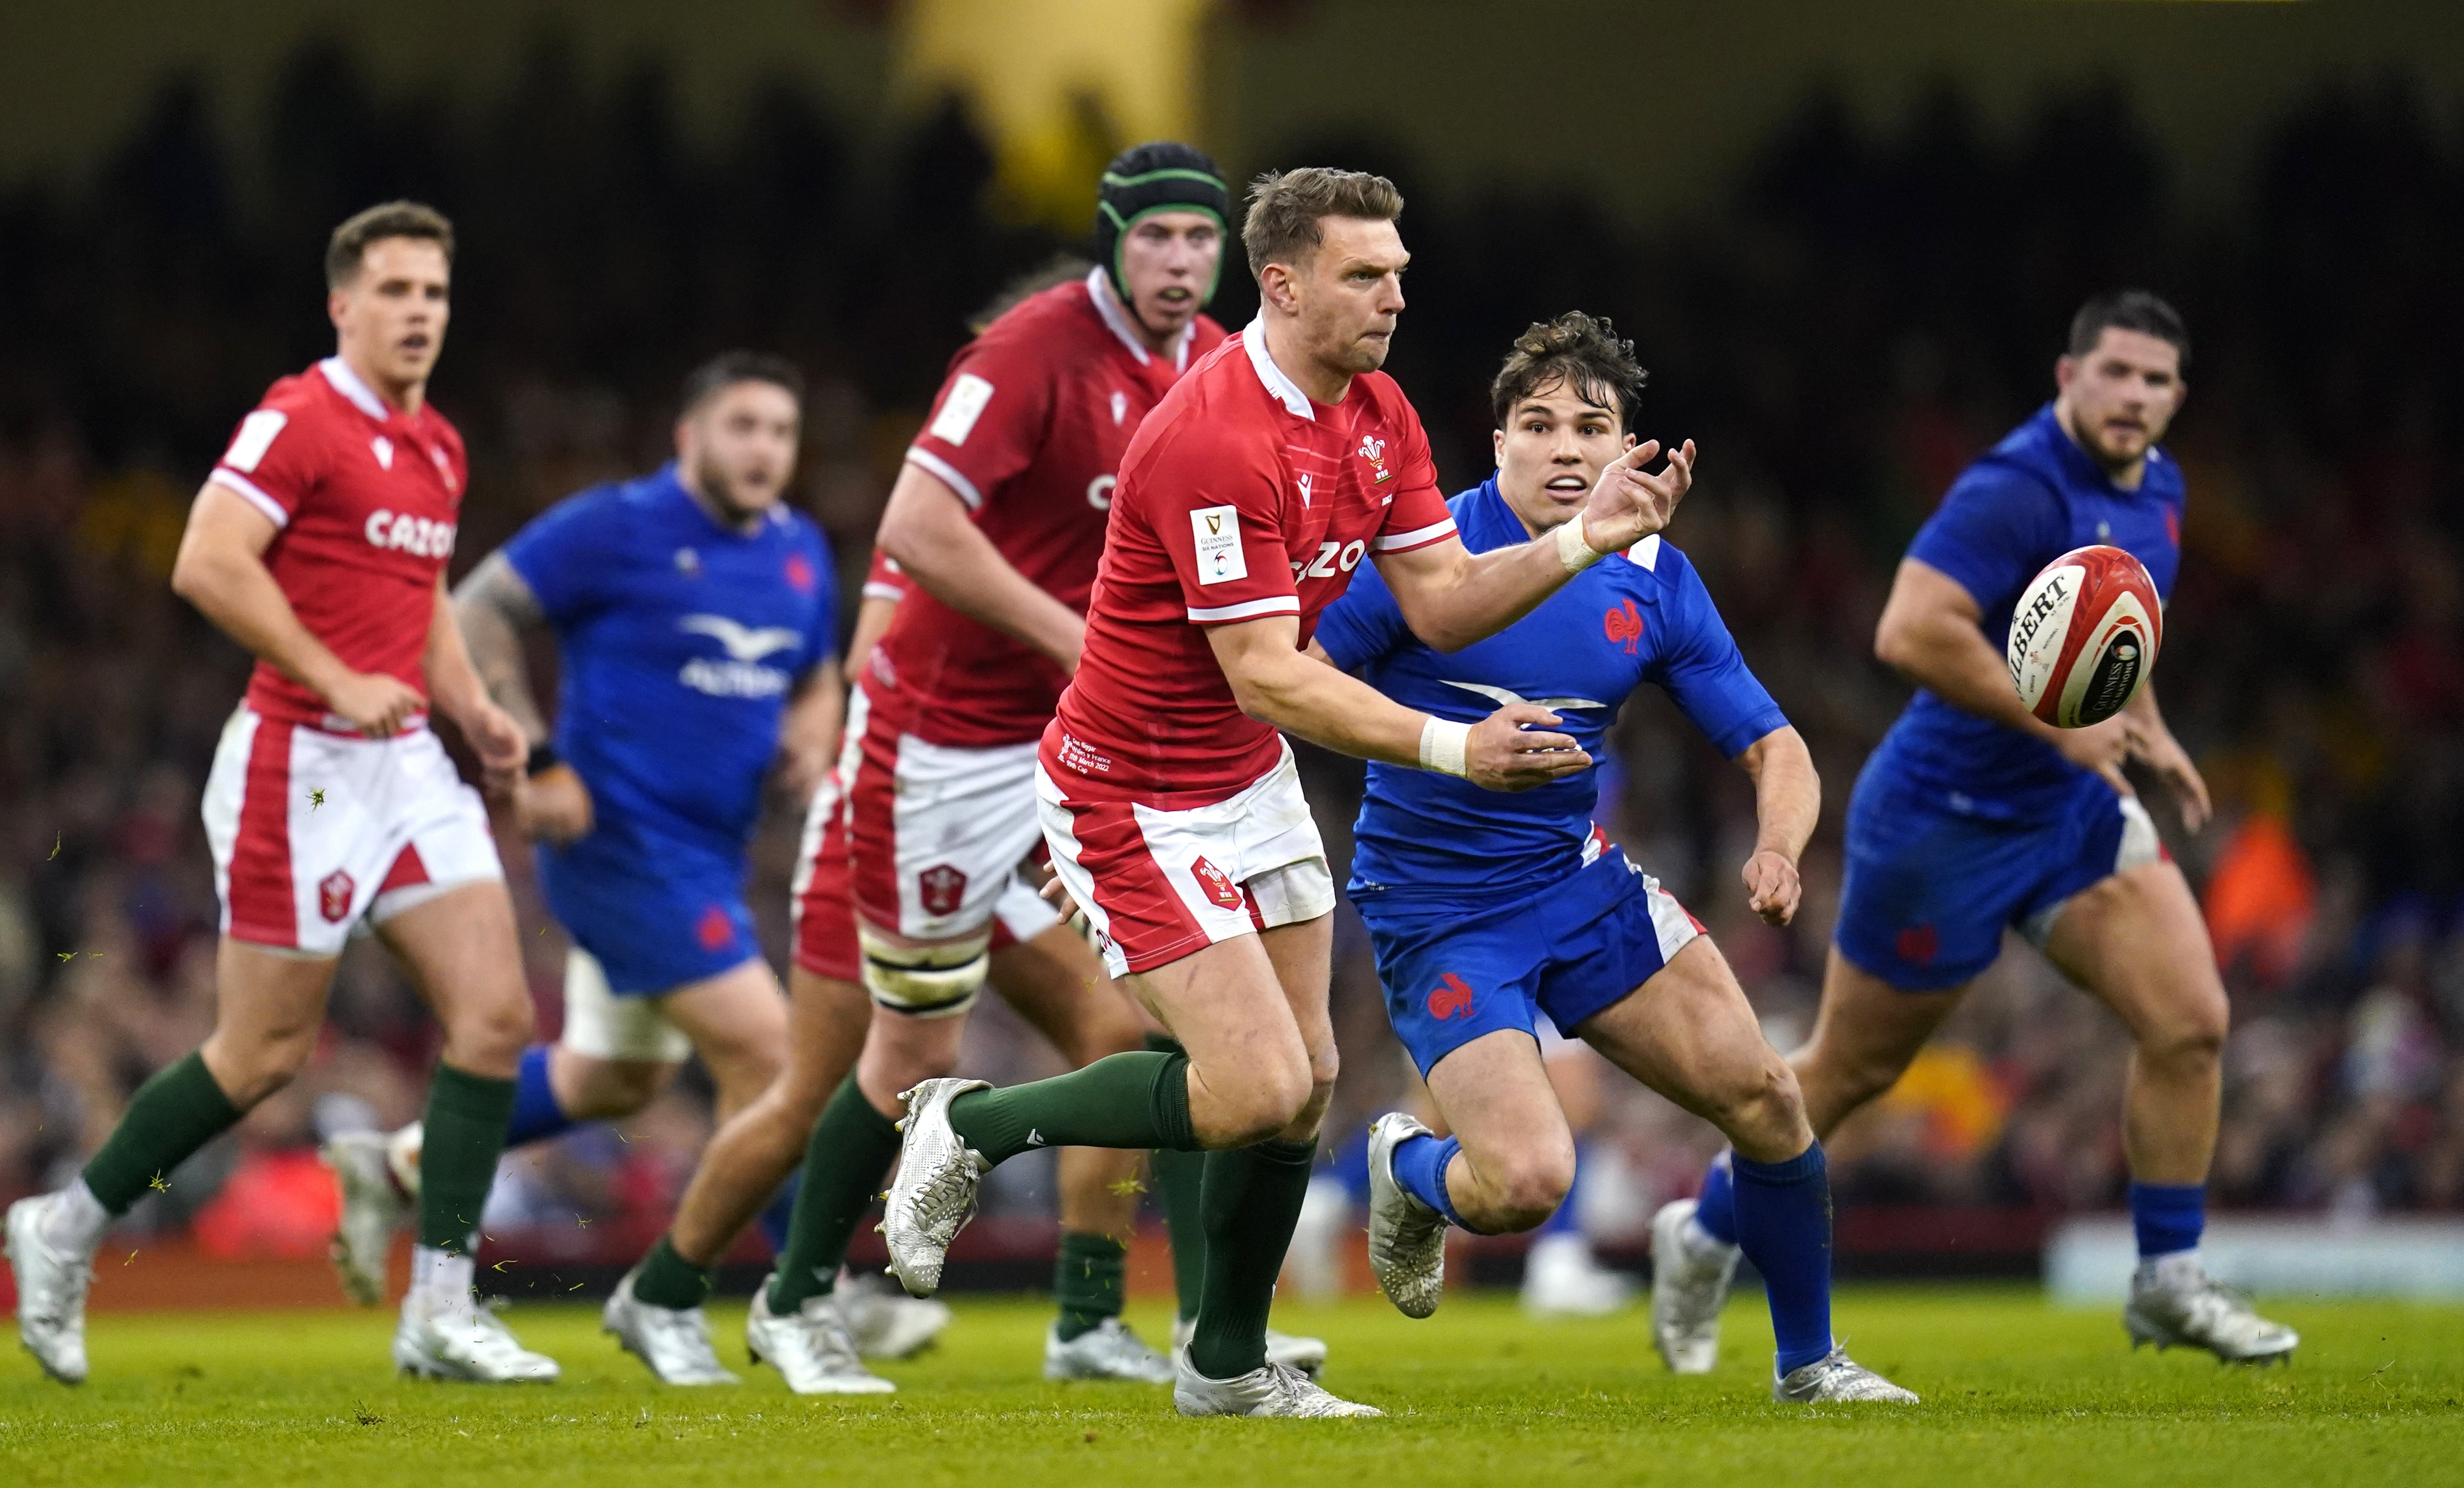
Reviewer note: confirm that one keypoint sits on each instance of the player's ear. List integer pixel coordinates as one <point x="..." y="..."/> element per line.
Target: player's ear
<point x="1276" y="288"/>
<point x="1632" y="439"/>
<point x="2065" y="371"/>
<point x="1497" y="443"/>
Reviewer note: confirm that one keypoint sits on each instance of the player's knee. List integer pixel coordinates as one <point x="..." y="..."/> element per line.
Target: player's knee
<point x="1264" y="1101"/>
<point x="2190" y="1033"/>
<point x="248" y="1075"/>
<point x="939" y="980"/>
<point x="1532" y="1188"/>
<point x="1759" y="1103"/>
<point x="491" y="1033"/>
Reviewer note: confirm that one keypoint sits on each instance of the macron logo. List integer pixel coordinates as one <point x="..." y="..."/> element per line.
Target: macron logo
<point x="743" y="643"/>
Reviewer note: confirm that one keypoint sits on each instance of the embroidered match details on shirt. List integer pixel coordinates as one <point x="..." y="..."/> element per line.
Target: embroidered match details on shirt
<point x="1218" y="531"/>
<point x="956" y="420"/>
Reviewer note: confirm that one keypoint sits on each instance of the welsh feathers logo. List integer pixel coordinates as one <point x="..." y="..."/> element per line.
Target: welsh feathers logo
<point x="1374" y="451"/>
<point x="940" y="889"/>
<point x="1219" y="887"/>
<point x="1450" y="997"/>
<point x="334" y="895"/>
<point x="1623" y="625"/>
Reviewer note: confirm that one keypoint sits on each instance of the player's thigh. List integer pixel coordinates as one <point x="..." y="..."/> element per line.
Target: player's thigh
<point x="1250" y="1062"/>
<point x="460" y="951"/>
<point x="827" y="1019"/>
<point x="738" y="1023"/>
<point x="1058" y="984"/>
<point x="1302" y="955"/>
<point x="269" y="1007"/>
<point x="1865" y="1034"/>
<point x="1689" y="1033"/>
<point x="1497" y="1099"/>
<point x="2137" y="941"/>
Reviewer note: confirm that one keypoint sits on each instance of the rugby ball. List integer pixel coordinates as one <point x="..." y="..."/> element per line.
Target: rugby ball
<point x="2083" y="637"/>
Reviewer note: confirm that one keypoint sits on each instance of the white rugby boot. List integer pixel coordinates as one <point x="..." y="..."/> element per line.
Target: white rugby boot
<point x="51" y="1293"/>
<point x="934" y="1196"/>
<point x="1690" y="1273"/>
<point x="1297" y="1350"/>
<point x="1110" y="1351"/>
<point x="468" y="1343"/>
<point x="2174" y="1302"/>
<point x="1407" y="1239"/>
<point x="372" y="1206"/>
<point x="674" y="1341"/>
<point x="1269" y="1389"/>
<point x="1835" y="1377"/>
<point x="885" y="1321"/>
<point x="1562" y="1279"/>
<point x="809" y="1348"/>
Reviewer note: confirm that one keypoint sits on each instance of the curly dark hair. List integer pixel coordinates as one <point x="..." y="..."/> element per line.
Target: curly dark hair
<point x="1579" y="350"/>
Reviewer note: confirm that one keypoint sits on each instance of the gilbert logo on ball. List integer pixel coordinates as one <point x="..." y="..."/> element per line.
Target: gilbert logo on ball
<point x="2083" y="637"/>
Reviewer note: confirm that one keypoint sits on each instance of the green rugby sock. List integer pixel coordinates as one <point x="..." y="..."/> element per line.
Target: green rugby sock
<point x="465" y="1131"/>
<point x="667" y="1279"/>
<point x="1252" y="1201"/>
<point x="1121" y="1101"/>
<point x="1089" y="1280"/>
<point x="173" y="1114"/>
<point x="1178" y="1177"/>
<point x="852" y="1146"/>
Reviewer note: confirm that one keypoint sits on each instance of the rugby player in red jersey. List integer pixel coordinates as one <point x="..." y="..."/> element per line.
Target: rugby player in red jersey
<point x="319" y="542"/>
<point x="996" y="525"/>
<point x="1169" y="798"/>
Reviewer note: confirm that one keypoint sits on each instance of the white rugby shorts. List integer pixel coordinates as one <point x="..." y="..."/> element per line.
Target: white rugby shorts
<point x="314" y="833"/>
<point x="935" y="833"/>
<point x="1158" y="884"/>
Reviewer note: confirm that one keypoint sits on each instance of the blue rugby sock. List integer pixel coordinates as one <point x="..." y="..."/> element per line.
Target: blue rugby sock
<point x="782" y="1209"/>
<point x="1421" y="1168"/>
<point x="535" y="1114"/>
<point x="2167" y="1216"/>
<point x="1567" y="1218"/>
<point x="1783" y="1214"/>
<point x="1715" y="1208"/>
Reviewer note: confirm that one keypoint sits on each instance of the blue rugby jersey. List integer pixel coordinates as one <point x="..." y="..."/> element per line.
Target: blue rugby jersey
<point x="680" y="641"/>
<point x="2032" y="498"/>
<point x="1628" y="619"/>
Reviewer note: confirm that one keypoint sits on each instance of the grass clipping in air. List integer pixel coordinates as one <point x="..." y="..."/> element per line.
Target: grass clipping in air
<point x="2017" y="1391"/>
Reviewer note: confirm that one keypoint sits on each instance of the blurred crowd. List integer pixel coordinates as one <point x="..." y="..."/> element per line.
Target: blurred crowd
<point x="1863" y="314"/>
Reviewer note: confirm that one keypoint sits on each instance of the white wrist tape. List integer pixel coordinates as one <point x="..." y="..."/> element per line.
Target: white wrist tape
<point x="1573" y="549"/>
<point x="1442" y="745"/>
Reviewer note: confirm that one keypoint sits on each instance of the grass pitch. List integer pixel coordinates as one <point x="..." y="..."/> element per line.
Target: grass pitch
<point x="2016" y="1390"/>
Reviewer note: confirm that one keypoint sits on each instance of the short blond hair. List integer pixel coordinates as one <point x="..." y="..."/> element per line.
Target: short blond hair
<point x="1287" y="206"/>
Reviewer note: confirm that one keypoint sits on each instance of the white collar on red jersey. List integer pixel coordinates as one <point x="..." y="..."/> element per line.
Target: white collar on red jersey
<point x="1099" y="289"/>
<point x="1253" y="340"/>
<point x="347" y="383"/>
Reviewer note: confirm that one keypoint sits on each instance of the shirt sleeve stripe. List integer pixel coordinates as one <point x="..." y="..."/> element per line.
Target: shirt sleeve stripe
<point x="883" y="591"/>
<point x="926" y="459"/>
<point x="246" y="490"/>
<point x="1418" y="538"/>
<point x="1249" y="609"/>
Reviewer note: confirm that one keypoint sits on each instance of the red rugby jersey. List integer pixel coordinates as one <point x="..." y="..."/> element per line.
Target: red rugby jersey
<point x="1240" y="497"/>
<point x="1028" y="428"/>
<point x="366" y="498"/>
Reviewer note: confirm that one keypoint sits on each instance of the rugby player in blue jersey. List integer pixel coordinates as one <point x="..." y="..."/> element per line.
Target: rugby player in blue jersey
<point x="694" y="613"/>
<point x="1486" y="908"/>
<point x="1973" y="817"/>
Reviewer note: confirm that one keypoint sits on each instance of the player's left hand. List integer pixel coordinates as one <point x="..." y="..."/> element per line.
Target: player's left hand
<point x="1771" y="887"/>
<point x="502" y="748"/>
<point x="2170" y="763"/>
<point x="1629" y="504"/>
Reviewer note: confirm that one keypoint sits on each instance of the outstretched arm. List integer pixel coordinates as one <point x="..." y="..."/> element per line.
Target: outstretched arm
<point x="809" y="736"/>
<point x="1452" y="596"/>
<point x="1788" y="801"/>
<point x="1276" y="681"/>
<point x="928" y="530"/>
